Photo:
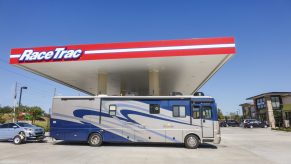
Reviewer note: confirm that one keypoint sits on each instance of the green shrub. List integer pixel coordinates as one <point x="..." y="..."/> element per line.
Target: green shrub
<point x="282" y="129"/>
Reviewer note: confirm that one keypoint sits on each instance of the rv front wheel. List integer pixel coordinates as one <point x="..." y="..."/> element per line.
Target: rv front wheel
<point x="191" y="141"/>
<point x="95" y="139"/>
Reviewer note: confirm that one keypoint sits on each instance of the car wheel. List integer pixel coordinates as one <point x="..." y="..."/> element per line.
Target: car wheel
<point x="95" y="139"/>
<point x="17" y="140"/>
<point x="251" y="126"/>
<point x="23" y="135"/>
<point x="191" y="141"/>
<point x="265" y="126"/>
<point x="40" y="140"/>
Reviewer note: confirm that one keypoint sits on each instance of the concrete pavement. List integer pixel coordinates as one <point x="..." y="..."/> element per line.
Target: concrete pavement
<point x="238" y="146"/>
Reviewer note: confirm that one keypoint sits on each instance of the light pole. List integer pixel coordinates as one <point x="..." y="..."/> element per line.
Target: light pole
<point x="238" y="114"/>
<point x="19" y="103"/>
<point x="14" y="103"/>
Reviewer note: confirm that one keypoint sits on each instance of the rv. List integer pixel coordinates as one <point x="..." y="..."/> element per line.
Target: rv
<point x="148" y="119"/>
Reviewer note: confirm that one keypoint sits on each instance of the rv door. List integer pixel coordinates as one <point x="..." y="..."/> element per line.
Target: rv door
<point x="207" y="121"/>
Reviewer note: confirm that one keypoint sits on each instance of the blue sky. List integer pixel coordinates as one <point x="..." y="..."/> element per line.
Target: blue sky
<point x="262" y="29"/>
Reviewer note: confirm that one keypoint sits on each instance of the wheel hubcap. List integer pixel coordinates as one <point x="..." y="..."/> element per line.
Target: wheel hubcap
<point x="17" y="140"/>
<point x="95" y="140"/>
<point x="192" y="141"/>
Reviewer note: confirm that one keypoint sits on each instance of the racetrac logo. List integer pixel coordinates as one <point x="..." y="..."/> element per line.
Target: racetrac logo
<point x="57" y="54"/>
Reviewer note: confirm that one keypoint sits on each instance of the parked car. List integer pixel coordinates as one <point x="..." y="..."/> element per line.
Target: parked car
<point x="232" y="123"/>
<point x="22" y="131"/>
<point x="228" y="123"/>
<point x="223" y="124"/>
<point x="245" y="121"/>
<point x="256" y="124"/>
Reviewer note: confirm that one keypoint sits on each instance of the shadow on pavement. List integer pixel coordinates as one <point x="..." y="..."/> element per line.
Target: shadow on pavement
<point x="174" y="145"/>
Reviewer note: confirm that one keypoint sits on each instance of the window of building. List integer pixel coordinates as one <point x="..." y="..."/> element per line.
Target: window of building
<point x="207" y="112"/>
<point x="196" y="112"/>
<point x="260" y="102"/>
<point x="275" y="101"/>
<point x="179" y="111"/>
<point x="112" y="110"/>
<point x="154" y="108"/>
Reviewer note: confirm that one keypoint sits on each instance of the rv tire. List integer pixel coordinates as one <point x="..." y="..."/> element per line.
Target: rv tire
<point x="191" y="141"/>
<point x="95" y="139"/>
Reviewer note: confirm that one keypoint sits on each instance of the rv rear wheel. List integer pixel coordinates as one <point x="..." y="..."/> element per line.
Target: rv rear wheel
<point x="95" y="139"/>
<point x="191" y="141"/>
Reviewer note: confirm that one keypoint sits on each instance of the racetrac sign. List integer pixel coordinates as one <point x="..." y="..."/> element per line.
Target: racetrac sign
<point x="57" y="54"/>
<point x="149" y="49"/>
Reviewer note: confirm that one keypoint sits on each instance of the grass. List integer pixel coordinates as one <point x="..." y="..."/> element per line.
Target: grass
<point x="282" y="129"/>
<point x="43" y="124"/>
<point x="7" y="118"/>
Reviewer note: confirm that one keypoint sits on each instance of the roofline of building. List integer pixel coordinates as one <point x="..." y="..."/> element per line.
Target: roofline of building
<point x="243" y="104"/>
<point x="270" y="94"/>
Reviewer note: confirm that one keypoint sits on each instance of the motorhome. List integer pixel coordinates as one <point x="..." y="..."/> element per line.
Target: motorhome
<point x="191" y="120"/>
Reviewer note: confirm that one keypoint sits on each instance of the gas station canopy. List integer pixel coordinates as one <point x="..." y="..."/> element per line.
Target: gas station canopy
<point x="140" y="68"/>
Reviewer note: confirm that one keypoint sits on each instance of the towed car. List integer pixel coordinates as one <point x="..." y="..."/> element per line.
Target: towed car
<point x="255" y="124"/>
<point x="20" y="132"/>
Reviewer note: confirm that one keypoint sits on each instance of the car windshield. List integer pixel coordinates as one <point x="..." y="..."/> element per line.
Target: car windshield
<point x="24" y="124"/>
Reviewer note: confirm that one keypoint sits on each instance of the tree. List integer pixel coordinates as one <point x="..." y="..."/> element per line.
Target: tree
<point x="2" y="120"/>
<point x="6" y="109"/>
<point x="36" y="112"/>
<point x="235" y="116"/>
<point x="220" y="114"/>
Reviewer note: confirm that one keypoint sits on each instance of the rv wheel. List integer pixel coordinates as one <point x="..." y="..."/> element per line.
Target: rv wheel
<point x="17" y="140"/>
<point x="95" y="139"/>
<point x="191" y="141"/>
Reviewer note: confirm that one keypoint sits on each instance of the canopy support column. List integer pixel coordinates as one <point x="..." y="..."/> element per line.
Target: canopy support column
<point x="154" y="83"/>
<point x="270" y="112"/>
<point x="102" y="83"/>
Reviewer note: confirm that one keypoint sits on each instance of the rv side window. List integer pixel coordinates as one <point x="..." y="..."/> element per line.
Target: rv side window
<point x="179" y="111"/>
<point x="207" y="112"/>
<point x="112" y="110"/>
<point x="196" y="112"/>
<point x="154" y="108"/>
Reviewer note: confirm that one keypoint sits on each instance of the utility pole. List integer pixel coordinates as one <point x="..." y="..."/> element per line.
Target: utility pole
<point x="14" y="105"/>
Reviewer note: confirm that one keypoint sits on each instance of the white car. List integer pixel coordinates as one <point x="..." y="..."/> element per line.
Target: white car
<point x="19" y="132"/>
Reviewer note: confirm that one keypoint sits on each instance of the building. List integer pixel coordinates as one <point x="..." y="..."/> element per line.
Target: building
<point x="248" y="111"/>
<point x="273" y="107"/>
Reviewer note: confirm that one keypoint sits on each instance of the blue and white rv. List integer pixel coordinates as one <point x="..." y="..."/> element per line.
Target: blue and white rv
<point x="164" y="119"/>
